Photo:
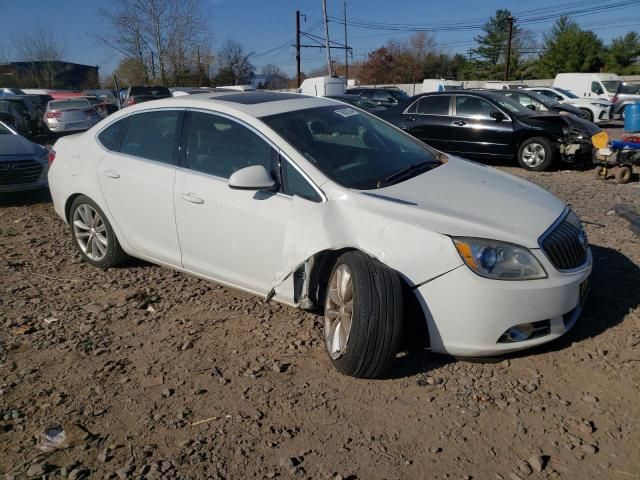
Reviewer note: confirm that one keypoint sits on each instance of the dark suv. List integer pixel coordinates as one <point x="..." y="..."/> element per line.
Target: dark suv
<point x="383" y="96"/>
<point x="485" y="124"/>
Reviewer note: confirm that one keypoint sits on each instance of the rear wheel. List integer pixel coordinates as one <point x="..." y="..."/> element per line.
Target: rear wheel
<point x="362" y="316"/>
<point x="536" y="154"/>
<point x="587" y="114"/>
<point x="93" y="235"/>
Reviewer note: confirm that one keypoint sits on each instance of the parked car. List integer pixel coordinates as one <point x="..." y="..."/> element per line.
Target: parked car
<point x="23" y="164"/>
<point x="20" y="112"/>
<point x="139" y="94"/>
<point x="384" y="97"/>
<point x="589" y="85"/>
<point x="357" y="101"/>
<point x="71" y="115"/>
<point x="595" y="110"/>
<point x="106" y="96"/>
<point x="485" y="124"/>
<point x="8" y="91"/>
<point x="541" y="103"/>
<point x="36" y="108"/>
<point x="104" y="108"/>
<point x="627" y="94"/>
<point x="356" y="217"/>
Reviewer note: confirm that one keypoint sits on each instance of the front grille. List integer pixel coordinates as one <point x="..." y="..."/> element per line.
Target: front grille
<point x="566" y="245"/>
<point x="19" y="171"/>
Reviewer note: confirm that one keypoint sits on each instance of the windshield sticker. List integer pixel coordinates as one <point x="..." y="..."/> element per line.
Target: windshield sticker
<point x="346" y="112"/>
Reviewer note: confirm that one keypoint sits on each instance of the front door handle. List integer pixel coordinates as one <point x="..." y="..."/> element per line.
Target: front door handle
<point x="111" y="174"/>
<point x="190" y="197"/>
<point x="460" y="123"/>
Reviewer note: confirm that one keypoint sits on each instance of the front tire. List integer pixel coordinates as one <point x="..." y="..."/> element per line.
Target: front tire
<point x="93" y="235"/>
<point x="363" y="316"/>
<point x="587" y="114"/>
<point x="536" y="154"/>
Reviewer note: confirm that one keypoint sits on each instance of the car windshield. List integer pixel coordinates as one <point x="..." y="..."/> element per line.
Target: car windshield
<point x="150" y="91"/>
<point x="511" y="105"/>
<point x="397" y="94"/>
<point x="64" y="104"/>
<point x="355" y="149"/>
<point x="629" y="88"/>
<point x="611" y="85"/>
<point x="567" y="93"/>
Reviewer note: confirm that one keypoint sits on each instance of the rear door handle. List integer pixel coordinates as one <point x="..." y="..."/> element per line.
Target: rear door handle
<point x="460" y="123"/>
<point x="190" y="197"/>
<point x="111" y="174"/>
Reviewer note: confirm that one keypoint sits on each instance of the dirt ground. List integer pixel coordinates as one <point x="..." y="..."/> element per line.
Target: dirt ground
<point x="173" y="377"/>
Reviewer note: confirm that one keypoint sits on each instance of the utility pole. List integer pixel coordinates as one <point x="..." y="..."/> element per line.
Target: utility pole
<point x="326" y="35"/>
<point x="508" y="57"/>
<point x="298" y="47"/>
<point x="346" y="50"/>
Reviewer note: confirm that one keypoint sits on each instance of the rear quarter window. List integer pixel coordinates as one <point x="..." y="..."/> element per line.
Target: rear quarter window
<point x="110" y="137"/>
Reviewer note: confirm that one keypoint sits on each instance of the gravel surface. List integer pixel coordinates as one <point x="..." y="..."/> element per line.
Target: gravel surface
<point x="155" y="374"/>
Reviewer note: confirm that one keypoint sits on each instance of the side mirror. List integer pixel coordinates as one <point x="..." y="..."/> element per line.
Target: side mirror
<point x="254" y="177"/>
<point x="497" y="115"/>
<point x="532" y="107"/>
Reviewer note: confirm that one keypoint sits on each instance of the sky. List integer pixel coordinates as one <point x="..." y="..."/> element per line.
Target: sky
<point x="267" y="28"/>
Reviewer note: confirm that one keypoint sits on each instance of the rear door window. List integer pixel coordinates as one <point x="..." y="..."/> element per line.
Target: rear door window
<point x="434" y="105"/>
<point x="152" y="135"/>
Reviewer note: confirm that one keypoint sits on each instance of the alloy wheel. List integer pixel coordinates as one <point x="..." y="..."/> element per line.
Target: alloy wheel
<point x="338" y="311"/>
<point x="90" y="232"/>
<point x="533" y="155"/>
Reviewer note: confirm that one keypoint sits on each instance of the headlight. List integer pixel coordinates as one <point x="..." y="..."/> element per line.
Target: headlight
<point x="498" y="260"/>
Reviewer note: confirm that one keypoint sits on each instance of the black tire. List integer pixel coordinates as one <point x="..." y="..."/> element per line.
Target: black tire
<point x="599" y="173"/>
<point x="588" y="114"/>
<point x="113" y="255"/>
<point x="549" y="154"/>
<point x="377" y="317"/>
<point x="623" y="174"/>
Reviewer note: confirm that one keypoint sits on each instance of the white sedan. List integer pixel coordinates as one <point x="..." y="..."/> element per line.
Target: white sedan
<point x="313" y="203"/>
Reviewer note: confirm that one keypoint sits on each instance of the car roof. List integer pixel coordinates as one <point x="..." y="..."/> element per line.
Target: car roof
<point x="256" y="104"/>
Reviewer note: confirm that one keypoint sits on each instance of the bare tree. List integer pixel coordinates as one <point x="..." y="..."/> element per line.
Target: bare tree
<point x="170" y="39"/>
<point x="233" y="60"/>
<point x="43" y="51"/>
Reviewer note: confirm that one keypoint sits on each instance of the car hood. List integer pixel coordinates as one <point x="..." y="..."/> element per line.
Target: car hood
<point x="580" y="124"/>
<point x="11" y="145"/>
<point x="463" y="198"/>
<point x="587" y="101"/>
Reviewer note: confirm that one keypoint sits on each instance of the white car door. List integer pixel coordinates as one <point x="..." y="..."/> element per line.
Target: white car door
<point x="137" y="176"/>
<point x="235" y="236"/>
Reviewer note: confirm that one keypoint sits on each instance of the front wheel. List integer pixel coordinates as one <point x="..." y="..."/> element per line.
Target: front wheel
<point x="587" y="114"/>
<point x="362" y="316"/>
<point x="536" y="154"/>
<point x="93" y="235"/>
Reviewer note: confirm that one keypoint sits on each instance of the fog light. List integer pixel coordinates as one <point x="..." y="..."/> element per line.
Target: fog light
<point x="519" y="333"/>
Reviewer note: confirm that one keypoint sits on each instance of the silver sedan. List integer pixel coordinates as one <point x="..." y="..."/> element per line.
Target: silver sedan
<point x="71" y="115"/>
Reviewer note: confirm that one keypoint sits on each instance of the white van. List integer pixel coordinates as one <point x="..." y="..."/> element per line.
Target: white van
<point x="439" y="85"/>
<point x="322" y="86"/>
<point x="594" y="85"/>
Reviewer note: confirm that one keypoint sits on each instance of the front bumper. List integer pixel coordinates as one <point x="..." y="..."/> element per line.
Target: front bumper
<point x="467" y="314"/>
<point x="604" y="114"/>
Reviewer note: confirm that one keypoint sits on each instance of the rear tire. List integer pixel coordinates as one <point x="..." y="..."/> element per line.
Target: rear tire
<point x="363" y="316"/>
<point x="536" y="154"/>
<point x="93" y="235"/>
<point x="588" y="114"/>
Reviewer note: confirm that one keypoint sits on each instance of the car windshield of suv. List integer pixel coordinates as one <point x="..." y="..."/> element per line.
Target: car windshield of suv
<point x="511" y="105"/>
<point x="629" y="88"/>
<point x="567" y="93"/>
<point x="355" y="149"/>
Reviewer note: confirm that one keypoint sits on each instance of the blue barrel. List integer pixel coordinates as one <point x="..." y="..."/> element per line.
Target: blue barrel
<point x="632" y="118"/>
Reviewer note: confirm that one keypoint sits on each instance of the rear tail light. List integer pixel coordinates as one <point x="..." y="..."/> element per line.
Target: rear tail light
<point x="52" y="156"/>
<point x="131" y="101"/>
<point x="54" y="114"/>
<point x="614" y="99"/>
